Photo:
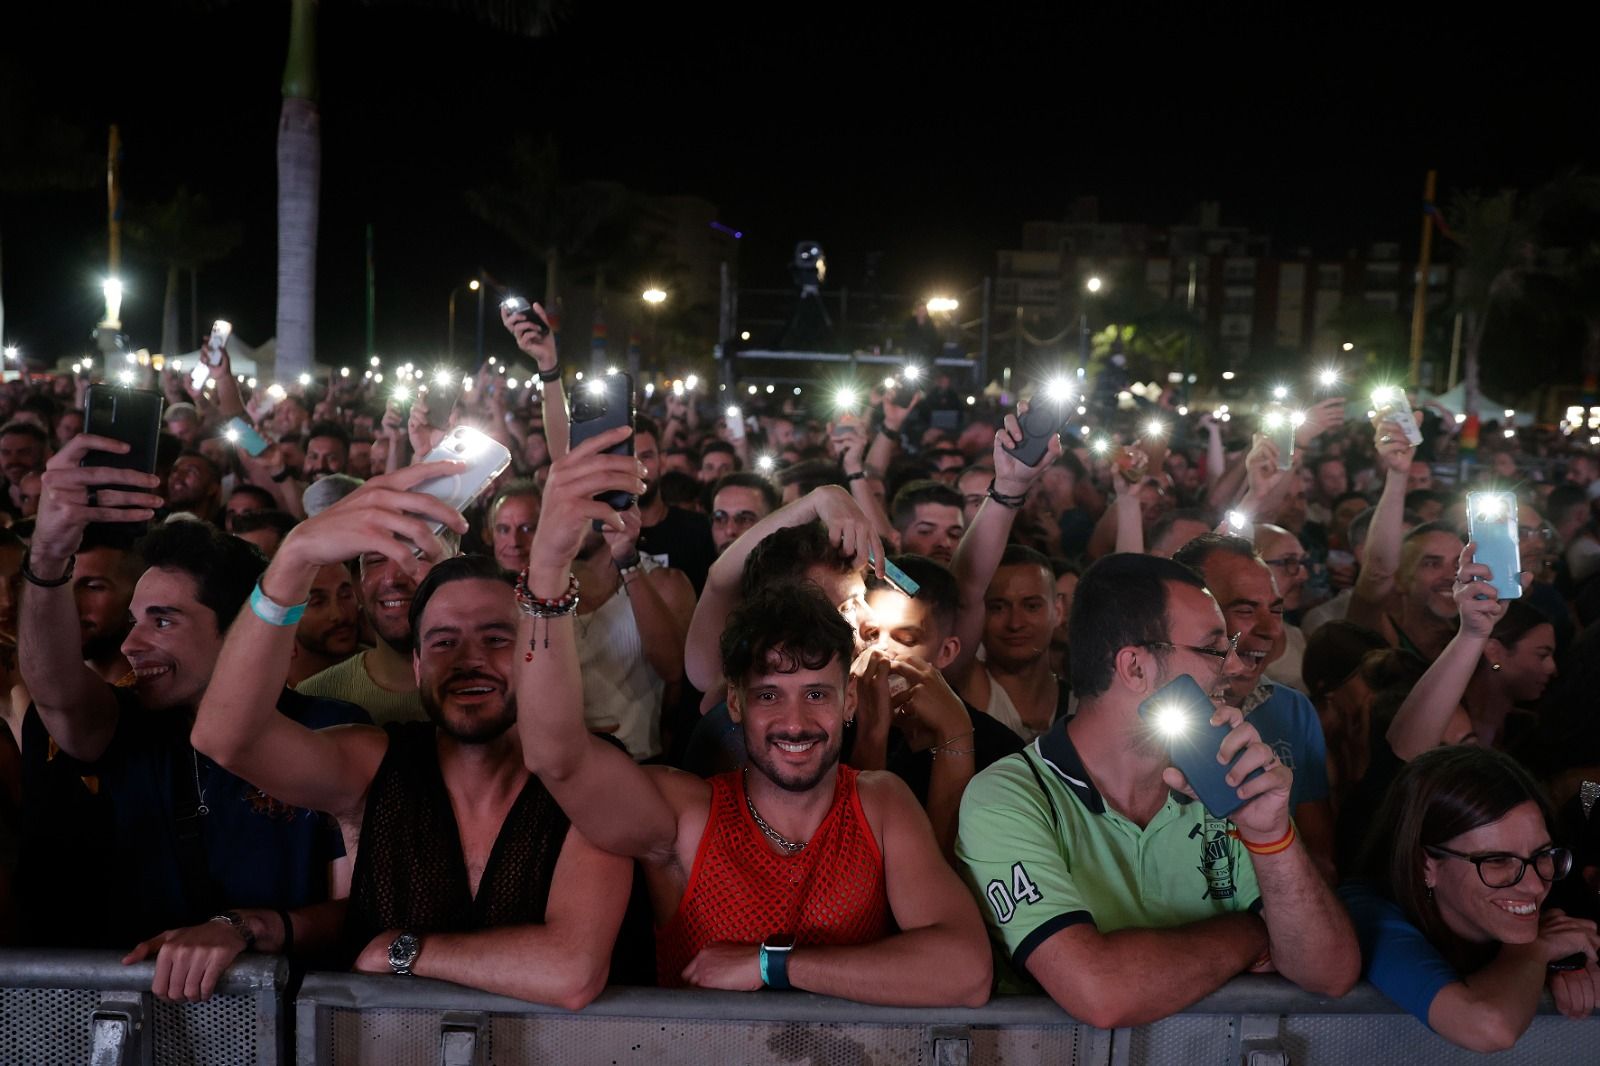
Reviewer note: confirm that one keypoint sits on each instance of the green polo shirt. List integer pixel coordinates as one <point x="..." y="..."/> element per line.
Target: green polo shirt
<point x="1042" y="852"/>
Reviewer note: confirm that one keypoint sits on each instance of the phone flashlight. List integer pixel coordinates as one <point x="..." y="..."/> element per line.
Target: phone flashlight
<point x="1328" y="378"/>
<point x="1280" y="392"/>
<point x="1059" y="389"/>
<point x="1239" y="522"/>
<point x="1101" y="446"/>
<point x="912" y="372"/>
<point x="443" y="377"/>
<point x="1155" y="429"/>
<point x="401" y="394"/>
<point x="1170" y="720"/>
<point x="764" y="464"/>
<point x="733" y="414"/>
<point x="232" y="435"/>
<point x="844" y="399"/>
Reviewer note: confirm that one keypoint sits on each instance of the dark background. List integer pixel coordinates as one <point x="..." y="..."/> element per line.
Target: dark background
<point x="929" y="135"/>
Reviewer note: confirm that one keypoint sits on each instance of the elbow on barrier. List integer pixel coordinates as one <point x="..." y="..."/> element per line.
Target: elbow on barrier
<point x="84" y="1006"/>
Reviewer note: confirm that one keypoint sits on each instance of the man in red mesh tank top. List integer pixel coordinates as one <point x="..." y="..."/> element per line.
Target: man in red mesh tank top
<point x="795" y="872"/>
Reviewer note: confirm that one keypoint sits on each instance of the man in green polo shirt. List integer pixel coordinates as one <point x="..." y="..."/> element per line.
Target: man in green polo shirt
<point x="1100" y="878"/>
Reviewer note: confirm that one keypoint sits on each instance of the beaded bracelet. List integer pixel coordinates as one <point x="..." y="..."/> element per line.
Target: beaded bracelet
<point x="542" y="607"/>
<point x="946" y="749"/>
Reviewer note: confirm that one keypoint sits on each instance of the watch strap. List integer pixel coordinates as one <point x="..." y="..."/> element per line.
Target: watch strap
<point x="775" y="966"/>
<point x="235" y="921"/>
<point x="553" y="374"/>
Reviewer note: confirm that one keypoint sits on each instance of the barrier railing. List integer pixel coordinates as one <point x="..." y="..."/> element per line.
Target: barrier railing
<point x="74" y="1007"/>
<point x="67" y="1008"/>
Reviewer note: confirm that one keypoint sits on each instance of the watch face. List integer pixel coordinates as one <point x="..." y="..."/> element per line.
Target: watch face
<point x="403" y="952"/>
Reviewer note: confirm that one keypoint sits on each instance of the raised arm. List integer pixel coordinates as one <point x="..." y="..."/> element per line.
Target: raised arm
<point x="539" y="345"/>
<point x="1311" y="939"/>
<point x="939" y="957"/>
<point x="852" y="445"/>
<point x="563" y="961"/>
<point x="611" y="800"/>
<point x="238" y="724"/>
<point x="1266" y="484"/>
<point x="978" y="555"/>
<point x="1421" y="722"/>
<point x="662" y="600"/>
<point x="1380" y="559"/>
<point x="846" y="524"/>
<point x="75" y="705"/>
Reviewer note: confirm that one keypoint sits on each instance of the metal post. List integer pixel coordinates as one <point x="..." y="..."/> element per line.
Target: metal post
<point x="1419" y="309"/>
<point x="983" y="335"/>
<point x="482" y="284"/>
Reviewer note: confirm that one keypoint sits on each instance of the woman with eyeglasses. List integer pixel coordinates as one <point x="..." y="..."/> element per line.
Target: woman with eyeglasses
<point x="1448" y="907"/>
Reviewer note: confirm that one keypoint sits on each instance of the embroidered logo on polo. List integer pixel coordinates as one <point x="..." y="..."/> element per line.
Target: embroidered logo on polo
<point x="1216" y="862"/>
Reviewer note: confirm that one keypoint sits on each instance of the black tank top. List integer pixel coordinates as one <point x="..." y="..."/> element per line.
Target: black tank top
<point x="410" y="873"/>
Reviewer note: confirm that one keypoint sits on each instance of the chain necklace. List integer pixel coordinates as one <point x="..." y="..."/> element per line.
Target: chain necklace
<point x="200" y="793"/>
<point x="789" y="846"/>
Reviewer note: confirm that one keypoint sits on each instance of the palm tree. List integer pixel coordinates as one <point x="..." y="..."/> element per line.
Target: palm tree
<point x="182" y="233"/>
<point x="300" y="159"/>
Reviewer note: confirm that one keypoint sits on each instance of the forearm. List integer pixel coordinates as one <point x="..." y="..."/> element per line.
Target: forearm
<point x="1494" y="1006"/>
<point x="528" y="962"/>
<point x="862" y="494"/>
<point x="1420" y="723"/>
<point x="1216" y="459"/>
<point x="75" y="705"/>
<point x="1103" y="541"/>
<point x="882" y="450"/>
<point x="1107" y="982"/>
<point x="557" y="426"/>
<point x="870" y="751"/>
<point x="1130" y="523"/>
<point x="1312" y="941"/>
<point x="661" y="632"/>
<point x="316" y="927"/>
<point x="1225" y="488"/>
<point x="1380" y="559"/>
<point x="934" y="966"/>
<point x="953" y="769"/>
<point x="975" y="561"/>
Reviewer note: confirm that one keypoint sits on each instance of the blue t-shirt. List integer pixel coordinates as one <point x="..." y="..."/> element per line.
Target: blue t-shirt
<point x="1395" y="956"/>
<point x="102" y="863"/>
<point x="1288" y="723"/>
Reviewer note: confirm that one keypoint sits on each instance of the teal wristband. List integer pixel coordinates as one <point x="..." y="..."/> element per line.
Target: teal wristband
<point x="274" y="614"/>
<point x="764" y="979"/>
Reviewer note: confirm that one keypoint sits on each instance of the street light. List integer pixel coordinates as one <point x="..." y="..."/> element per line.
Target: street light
<point x="942" y="305"/>
<point x="654" y="296"/>
<point x="1092" y="286"/>
<point x="12" y="352"/>
<point x="112" y="288"/>
<point x="450" y="342"/>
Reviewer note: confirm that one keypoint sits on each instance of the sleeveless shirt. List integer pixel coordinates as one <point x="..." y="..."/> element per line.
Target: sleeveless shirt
<point x="410" y="871"/>
<point x="621" y="692"/>
<point x="744" y="892"/>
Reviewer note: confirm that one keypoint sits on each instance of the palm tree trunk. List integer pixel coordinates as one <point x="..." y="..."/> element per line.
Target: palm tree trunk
<point x="552" y="262"/>
<point x="1469" y="362"/>
<point x="170" y="344"/>
<point x="299" y="188"/>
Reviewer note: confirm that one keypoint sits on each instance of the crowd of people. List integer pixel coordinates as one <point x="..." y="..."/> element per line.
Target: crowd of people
<point x="846" y="699"/>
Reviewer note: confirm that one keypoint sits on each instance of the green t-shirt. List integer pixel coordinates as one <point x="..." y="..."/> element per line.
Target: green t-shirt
<point x="1042" y="852"/>
<point x="349" y="681"/>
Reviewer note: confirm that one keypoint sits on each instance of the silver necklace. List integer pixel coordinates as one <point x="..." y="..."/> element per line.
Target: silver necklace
<point x="789" y="846"/>
<point x="201" y="809"/>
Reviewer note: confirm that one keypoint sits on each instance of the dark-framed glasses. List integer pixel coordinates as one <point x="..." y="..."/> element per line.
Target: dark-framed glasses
<point x="1499" y="869"/>
<point x="1219" y="654"/>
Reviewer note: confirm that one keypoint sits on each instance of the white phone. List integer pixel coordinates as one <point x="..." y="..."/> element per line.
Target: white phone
<point x="221" y="330"/>
<point x="486" y="459"/>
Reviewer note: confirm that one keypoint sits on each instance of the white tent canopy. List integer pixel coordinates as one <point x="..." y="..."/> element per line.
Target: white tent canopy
<point x="251" y="362"/>
<point x="1454" y="403"/>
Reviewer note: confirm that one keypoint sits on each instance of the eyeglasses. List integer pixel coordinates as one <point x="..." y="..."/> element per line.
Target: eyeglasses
<point x="1290" y="564"/>
<point x="1543" y="532"/>
<point x="1498" y="869"/>
<point x="1219" y="654"/>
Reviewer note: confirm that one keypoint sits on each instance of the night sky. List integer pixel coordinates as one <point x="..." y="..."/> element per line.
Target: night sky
<point x="929" y="137"/>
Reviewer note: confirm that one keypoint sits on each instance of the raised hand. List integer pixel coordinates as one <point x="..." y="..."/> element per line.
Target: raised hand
<point x="532" y="338"/>
<point x="1012" y="477"/>
<point x="1265" y="815"/>
<point x="848" y="526"/>
<point x="73" y="496"/>
<point x="570" y="510"/>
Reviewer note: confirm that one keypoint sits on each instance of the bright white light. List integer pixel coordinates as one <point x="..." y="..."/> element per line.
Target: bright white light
<point x="126" y="377"/>
<point x="1175" y="378"/>
<point x="744" y="336"/>
<point x="401" y="394"/>
<point x="232" y="435"/>
<point x="764" y="464"/>
<point x="466" y="384"/>
<point x="367" y="375"/>
<point x="1381" y="395"/>
<point x="677" y="388"/>
<point x="251" y="383"/>
<point x="1328" y="378"/>
<point x="1227" y="375"/>
<point x="971" y="400"/>
<point x="443" y="377"/>
<point x="305" y="379"/>
<point x="1084" y="430"/>
<point x="1280" y="393"/>
<point x="1238" y="519"/>
<point x="889" y="383"/>
<point x="654" y="296"/>
<point x="177" y="365"/>
<point x="940" y="305"/>
<point x="378" y="377"/>
<point x="1227" y="418"/>
<point x="1082" y="411"/>
<point x="1492" y="505"/>
<point x="1170" y="721"/>
<point x="1059" y="389"/>
<point x="1510" y="413"/>
<point x="132" y="358"/>
<point x="1510" y="433"/>
<point x="511" y="383"/>
<point x="1373" y="414"/>
<point x="844" y="398"/>
<point x="1348" y="346"/>
<point x="797" y="390"/>
<point x="579" y="375"/>
<point x="77" y="368"/>
<point x="88" y="360"/>
<point x="1101" y="446"/>
<point x="752" y="390"/>
<point x="473" y="284"/>
<point x="12" y="351"/>
<point x="344" y="371"/>
<point x="649" y="388"/>
<point x="733" y="414"/>
<point x="691" y="382"/>
<point x="1182" y="411"/>
<point x="491" y="360"/>
<point x="1460" y="419"/>
<point x="770" y="388"/>
<point x="112" y="289"/>
<point x="912" y="371"/>
<point x="417" y="374"/>
<point x="1297" y="418"/>
<point x="375" y="361"/>
<point x="597" y="387"/>
<point x="1155" y="428"/>
<point x="1273" y="420"/>
<point x="1094" y="284"/>
<point x="611" y="370"/>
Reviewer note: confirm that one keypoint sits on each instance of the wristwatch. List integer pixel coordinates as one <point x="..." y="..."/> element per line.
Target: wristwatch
<point x="775" y="960"/>
<point x="403" y="953"/>
<point x="236" y="922"/>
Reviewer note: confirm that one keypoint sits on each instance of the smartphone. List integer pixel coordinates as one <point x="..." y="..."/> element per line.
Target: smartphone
<point x="1492" y="525"/>
<point x="221" y="330"/>
<point x="1390" y="402"/>
<point x="1180" y="713"/>
<point x="604" y="403"/>
<point x="441" y="394"/>
<point x="486" y="459"/>
<point x="129" y="415"/>
<point x="200" y="374"/>
<point x="516" y="305"/>
<point x="904" y="392"/>
<point x="734" y="419"/>
<point x="900" y="579"/>
<point x="1279" y="425"/>
<point x="241" y="432"/>
<point x="1043" y="419"/>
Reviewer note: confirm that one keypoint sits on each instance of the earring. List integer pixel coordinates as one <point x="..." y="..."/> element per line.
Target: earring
<point x="1430" y="893"/>
<point x="1494" y="666"/>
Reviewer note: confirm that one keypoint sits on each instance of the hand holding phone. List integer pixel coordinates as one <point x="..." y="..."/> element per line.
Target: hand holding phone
<point x="605" y="403"/>
<point x="1045" y="417"/>
<point x="1492" y="525"/>
<point x="240" y="432"/>
<point x="486" y="459"/>
<point x="221" y="330"/>
<point x="1180" y="713"/>
<point x="514" y="307"/>
<point x="1390" y="404"/>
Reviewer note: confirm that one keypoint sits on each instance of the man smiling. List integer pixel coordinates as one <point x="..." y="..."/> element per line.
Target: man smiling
<point x="1287" y="721"/>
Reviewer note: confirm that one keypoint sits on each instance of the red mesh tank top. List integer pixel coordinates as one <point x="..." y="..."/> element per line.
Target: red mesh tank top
<point x="742" y="891"/>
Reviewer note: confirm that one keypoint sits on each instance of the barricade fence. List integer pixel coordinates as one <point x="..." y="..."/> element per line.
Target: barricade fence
<point x="61" y="1007"/>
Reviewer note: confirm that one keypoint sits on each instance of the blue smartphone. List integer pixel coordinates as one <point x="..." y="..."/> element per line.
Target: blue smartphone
<point x="240" y="432"/>
<point x="900" y="579"/>
<point x="1180" y="714"/>
<point x="1492" y="525"/>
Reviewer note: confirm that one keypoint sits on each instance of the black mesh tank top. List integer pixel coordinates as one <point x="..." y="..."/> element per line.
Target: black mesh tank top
<point x="410" y="873"/>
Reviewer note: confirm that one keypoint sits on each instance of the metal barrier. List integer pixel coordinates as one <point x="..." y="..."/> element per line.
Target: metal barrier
<point x="75" y="1007"/>
<point x="1255" y="1021"/>
<point x="67" y="1008"/>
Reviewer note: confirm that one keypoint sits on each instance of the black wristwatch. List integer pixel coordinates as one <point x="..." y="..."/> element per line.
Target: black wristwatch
<point x="235" y="921"/>
<point x="403" y="953"/>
